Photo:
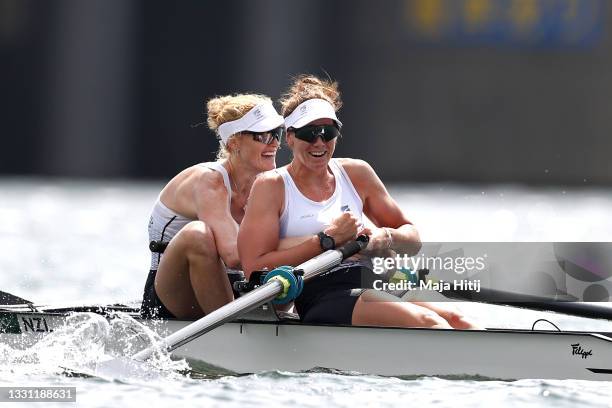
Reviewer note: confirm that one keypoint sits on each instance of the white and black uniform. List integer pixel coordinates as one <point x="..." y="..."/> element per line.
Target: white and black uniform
<point x="301" y="216"/>
<point x="329" y="298"/>
<point x="164" y="224"/>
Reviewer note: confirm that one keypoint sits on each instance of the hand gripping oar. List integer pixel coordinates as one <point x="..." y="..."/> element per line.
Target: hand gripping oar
<point x="263" y="294"/>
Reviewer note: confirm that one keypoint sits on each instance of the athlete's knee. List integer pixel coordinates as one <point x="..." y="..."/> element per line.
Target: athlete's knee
<point x="199" y="239"/>
<point x="429" y="319"/>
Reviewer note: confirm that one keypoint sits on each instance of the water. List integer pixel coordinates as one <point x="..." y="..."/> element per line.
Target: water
<point x="67" y="241"/>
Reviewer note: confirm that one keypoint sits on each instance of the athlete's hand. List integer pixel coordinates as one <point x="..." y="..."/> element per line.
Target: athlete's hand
<point x="378" y="245"/>
<point x="344" y="228"/>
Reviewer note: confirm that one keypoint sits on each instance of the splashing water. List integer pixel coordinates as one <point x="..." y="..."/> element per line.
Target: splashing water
<point x="130" y="337"/>
<point x="82" y="342"/>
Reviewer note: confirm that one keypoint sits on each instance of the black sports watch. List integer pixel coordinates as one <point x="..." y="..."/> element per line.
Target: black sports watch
<point x="326" y="241"/>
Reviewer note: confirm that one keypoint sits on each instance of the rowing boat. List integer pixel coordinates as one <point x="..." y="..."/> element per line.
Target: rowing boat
<point x="265" y="340"/>
<point x="249" y="335"/>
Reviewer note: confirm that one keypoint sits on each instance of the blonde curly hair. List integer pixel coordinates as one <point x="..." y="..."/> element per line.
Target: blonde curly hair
<point x="305" y="87"/>
<point x="221" y="109"/>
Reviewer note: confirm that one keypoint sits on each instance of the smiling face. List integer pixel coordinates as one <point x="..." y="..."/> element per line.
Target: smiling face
<point x="314" y="155"/>
<point x="257" y="155"/>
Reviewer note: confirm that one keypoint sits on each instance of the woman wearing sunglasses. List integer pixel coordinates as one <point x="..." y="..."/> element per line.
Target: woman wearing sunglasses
<point x="318" y="203"/>
<point x="194" y="223"/>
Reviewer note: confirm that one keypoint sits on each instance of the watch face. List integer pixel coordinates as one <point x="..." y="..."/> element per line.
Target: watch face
<point x="327" y="243"/>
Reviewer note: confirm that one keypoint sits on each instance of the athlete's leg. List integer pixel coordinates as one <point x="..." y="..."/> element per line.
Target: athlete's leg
<point x="451" y="314"/>
<point x="191" y="279"/>
<point x="377" y="308"/>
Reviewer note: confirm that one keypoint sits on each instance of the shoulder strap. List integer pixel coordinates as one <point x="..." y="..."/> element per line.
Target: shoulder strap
<point x="335" y="164"/>
<point x="216" y="166"/>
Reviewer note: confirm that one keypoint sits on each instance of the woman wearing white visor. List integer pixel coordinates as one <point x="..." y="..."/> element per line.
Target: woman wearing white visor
<point x="194" y="223"/>
<point x="317" y="203"/>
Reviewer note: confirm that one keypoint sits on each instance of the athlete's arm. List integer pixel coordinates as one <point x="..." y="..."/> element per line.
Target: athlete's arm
<point x="258" y="239"/>
<point x="393" y="226"/>
<point x="210" y="196"/>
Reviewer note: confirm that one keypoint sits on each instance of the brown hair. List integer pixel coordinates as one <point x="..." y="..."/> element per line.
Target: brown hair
<point x="221" y="109"/>
<point x="305" y="87"/>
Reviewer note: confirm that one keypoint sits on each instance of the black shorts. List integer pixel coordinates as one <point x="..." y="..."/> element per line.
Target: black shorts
<point x="152" y="306"/>
<point x="331" y="298"/>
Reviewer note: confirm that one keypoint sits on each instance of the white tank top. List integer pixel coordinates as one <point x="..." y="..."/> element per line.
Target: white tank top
<point x="302" y="216"/>
<point x="164" y="223"/>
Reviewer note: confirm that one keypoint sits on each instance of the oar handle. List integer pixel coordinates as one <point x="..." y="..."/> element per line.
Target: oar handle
<point x="332" y="257"/>
<point x="353" y="247"/>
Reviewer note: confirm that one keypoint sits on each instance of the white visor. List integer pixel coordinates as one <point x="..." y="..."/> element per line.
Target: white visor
<point x="261" y="118"/>
<point x="310" y="110"/>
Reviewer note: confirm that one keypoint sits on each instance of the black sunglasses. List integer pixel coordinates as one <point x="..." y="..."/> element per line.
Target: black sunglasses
<point x="269" y="136"/>
<point x="310" y="133"/>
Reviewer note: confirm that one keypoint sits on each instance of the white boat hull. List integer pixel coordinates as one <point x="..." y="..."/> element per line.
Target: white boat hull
<point x="255" y="347"/>
<point x="251" y="347"/>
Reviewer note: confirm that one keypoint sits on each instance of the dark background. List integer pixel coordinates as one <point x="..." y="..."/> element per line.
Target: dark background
<point x="434" y="90"/>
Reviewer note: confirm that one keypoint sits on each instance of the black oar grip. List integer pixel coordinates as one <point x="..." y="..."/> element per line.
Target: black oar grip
<point x="351" y="248"/>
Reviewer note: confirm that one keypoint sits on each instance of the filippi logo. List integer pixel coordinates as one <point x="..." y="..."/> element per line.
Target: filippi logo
<point x="577" y="350"/>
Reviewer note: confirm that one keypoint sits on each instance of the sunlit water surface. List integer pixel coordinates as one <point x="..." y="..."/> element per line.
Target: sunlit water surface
<point x="63" y="241"/>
